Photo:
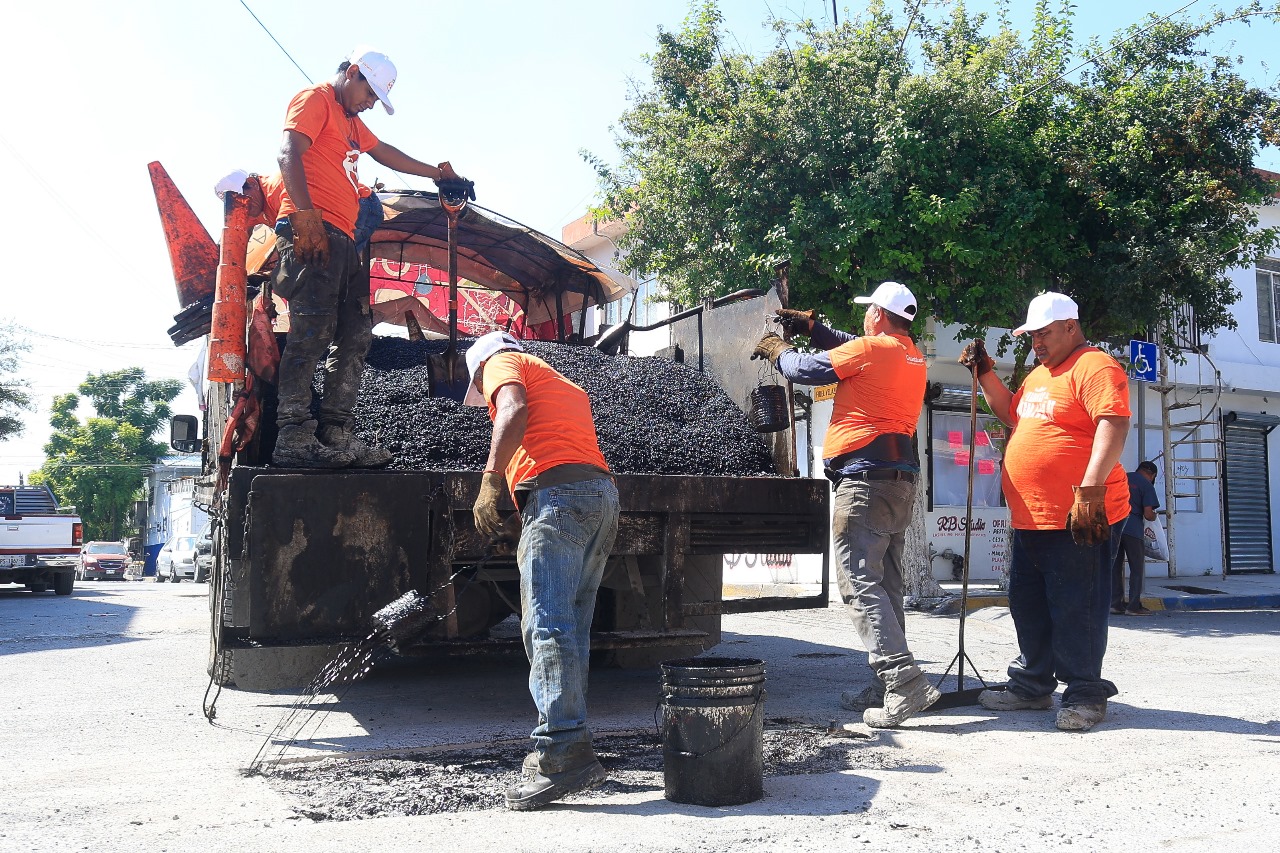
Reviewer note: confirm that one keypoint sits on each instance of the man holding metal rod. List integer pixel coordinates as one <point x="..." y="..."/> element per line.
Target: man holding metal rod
<point x="320" y="272"/>
<point x="870" y="456"/>
<point x="1068" y="501"/>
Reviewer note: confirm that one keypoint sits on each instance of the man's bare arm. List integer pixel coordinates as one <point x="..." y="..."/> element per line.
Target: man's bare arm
<point x="1108" y="444"/>
<point x="295" y="144"/>
<point x="393" y="158"/>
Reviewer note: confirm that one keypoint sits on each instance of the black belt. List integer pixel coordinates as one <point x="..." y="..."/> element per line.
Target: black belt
<point x="881" y="474"/>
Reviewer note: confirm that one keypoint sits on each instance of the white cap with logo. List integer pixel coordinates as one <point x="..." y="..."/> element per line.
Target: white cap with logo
<point x="892" y="296"/>
<point x="485" y="347"/>
<point x="378" y="71"/>
<point x="1047" y="308"/>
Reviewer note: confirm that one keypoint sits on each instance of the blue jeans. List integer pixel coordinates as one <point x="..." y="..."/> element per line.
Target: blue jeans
<point x="1060" y="598"/>
<point x="568" y="533"/>
<point x="868" y="533"/>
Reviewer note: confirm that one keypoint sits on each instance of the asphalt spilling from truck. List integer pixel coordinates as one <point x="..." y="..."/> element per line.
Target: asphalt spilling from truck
<point x="475" y="779"/>
<point x="652" y="416"/>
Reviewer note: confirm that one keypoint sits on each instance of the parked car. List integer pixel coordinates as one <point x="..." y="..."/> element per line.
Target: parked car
<point x="100" y="561"/>
<point x="204" y="556"/>
<point x="177" y="559"/>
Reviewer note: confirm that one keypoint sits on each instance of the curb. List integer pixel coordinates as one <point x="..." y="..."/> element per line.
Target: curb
<point x="1224" y="601"/>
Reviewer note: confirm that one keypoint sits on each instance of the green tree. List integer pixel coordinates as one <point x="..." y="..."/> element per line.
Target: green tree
<point x="99" y="463"/>
<point x="14" y="397"/>
<point x="952" y="155"/>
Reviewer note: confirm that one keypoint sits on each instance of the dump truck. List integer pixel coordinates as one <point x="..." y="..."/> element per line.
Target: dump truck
<point x="302" y="559"/>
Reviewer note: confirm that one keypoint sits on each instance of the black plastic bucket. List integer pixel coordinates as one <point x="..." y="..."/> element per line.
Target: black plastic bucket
<point x="769" y="409"/>
<point x="713" y="730"/>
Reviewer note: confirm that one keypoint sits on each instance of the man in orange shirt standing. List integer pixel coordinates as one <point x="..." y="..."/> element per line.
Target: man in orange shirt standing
<point x="1068" y="501"/>
<point x="320" y="272"/>
<point x="870" y="454"/>
<point x="544" y="449"/>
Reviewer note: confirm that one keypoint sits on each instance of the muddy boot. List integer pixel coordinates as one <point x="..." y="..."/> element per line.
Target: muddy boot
<point x="545" y="781"/>
<point x="342" y="437"/>
<point x="298" y="447"/>
<point x="871" y="696"/>
<point x="1081" y="718"/>
<point x="901" y="702"/>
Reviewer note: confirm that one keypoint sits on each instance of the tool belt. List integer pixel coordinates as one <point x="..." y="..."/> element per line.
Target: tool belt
<point x="889" y="449"/>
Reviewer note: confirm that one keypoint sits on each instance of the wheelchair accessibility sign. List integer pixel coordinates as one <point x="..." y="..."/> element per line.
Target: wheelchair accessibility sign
<point x="1142" y="361"/>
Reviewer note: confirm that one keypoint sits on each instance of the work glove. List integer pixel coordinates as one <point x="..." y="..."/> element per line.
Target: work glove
<point x="485" y="511"/>
<point x="795" y="322"/>
<point x="1087" y="520"/>
<point x="976" y="359"/>
<point x="771" y="346"/>
<point x="310" y="241"/>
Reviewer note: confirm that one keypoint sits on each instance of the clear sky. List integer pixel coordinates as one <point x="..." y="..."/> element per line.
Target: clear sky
<point x="509" y="91"/>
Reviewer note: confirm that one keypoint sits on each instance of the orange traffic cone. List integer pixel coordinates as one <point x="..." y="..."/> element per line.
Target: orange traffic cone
<point x="192" y="251"/>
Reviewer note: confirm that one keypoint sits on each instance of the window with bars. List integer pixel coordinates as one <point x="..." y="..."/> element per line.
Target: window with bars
<point x="1268" y="277"/>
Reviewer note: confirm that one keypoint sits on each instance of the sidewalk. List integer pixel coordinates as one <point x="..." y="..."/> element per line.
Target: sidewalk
<point x="1193" y="592"/>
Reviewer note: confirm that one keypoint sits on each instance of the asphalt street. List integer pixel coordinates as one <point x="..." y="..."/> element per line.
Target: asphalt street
<point x="105" y="747"/>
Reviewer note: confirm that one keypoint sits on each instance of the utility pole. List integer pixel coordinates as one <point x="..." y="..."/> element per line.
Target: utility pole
<point x="835" y="20"/>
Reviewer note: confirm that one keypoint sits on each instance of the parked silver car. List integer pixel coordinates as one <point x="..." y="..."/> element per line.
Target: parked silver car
<point x="177" y="559"/>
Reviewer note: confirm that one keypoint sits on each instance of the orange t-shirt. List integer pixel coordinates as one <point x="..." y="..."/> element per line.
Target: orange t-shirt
<point x="1055" y="415"/>
<point x="337" y="141"/>
<point x="559" y="431"/>
<point x="881" y="390"/>
<point x="272" y="196"/>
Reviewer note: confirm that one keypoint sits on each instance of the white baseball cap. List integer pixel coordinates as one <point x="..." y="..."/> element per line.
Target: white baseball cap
<point x="1047" y="308"/>
<point x="485" y="347"/>
<point x="379" y="71"/>
<point x="891" y="296"/>
<point x="232" y="182"/>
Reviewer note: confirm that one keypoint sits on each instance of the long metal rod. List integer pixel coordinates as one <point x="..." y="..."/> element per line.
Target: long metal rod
<point x="968" y="530"/>
<point x="452" y="216"/>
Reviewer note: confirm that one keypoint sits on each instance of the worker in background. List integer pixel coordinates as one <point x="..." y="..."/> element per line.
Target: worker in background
<point x="544" y="450"/>
<point x="264" y="194"/>
<point x="1068" y="501"/>
<point x="870" y="455"/>
<point x="1143" y="504"/>
<point x="320" y="272"/>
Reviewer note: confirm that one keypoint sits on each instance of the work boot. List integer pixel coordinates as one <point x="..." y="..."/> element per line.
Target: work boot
<point x="298" y="447"/>
<point x="342" y="437"/>
<point x="546" y="781"/>
<point x="1007" y="700"/>
<point x="871" y="696"/>
<point x="901" y="702"/>
<point x="1081" y="718"/>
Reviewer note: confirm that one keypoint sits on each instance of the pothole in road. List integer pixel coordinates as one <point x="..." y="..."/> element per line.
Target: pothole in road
<point x="476" y="779"/>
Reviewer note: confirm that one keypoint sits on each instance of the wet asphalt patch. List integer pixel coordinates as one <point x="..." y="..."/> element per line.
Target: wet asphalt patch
<point x="476" y="779"/>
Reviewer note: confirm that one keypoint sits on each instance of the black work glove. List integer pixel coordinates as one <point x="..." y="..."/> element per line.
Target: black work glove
<point x="456" y="190"/>
<point x="770" y="346"/>
<point x="795" y="322"/>
<point x="976" y="359"/>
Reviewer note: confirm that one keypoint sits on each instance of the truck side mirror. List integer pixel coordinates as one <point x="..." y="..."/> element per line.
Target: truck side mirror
<point x="184" y="434"/>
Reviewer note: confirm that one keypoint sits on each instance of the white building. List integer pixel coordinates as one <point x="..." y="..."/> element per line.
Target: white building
<point x="1227" y="400"/>
<point x="168" y="493"/>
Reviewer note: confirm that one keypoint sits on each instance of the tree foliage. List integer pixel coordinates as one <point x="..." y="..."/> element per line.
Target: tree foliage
<point x="14" y="397"/>
<point x="952" y="154"/>
<point x="99" y="463"/>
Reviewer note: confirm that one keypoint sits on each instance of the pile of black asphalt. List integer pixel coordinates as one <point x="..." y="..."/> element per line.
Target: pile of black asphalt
<point x="652" y="416"/>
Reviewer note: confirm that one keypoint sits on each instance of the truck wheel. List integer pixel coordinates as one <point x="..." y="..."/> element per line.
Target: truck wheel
<point x="160" y="578"/>
<point x="38" y="587"/>
<point x="63" y="583"/>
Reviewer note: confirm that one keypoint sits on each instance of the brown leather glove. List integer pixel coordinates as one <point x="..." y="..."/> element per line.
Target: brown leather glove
<point x="795" y="322"/>
<point x="771" y="346"/>
<point x="310" y="241"/>
<point x="1087" y="520"/>
<point x="976" y="359"/>
<point x="485" y="511"/>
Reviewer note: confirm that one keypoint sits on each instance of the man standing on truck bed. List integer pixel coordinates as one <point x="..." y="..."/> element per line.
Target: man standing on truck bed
<point x="870" y="455"/>
<point x="544" y="443"/>
<point x="320" y="272"/>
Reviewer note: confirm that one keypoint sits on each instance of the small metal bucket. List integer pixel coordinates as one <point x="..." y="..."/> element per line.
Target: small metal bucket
<point x="769" y="409"/>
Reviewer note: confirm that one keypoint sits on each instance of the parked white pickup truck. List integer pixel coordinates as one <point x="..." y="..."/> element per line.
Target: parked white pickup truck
<point x="39" y="543"/>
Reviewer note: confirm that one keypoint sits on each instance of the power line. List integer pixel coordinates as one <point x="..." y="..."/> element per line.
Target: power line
<point x="277" y="41"/>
